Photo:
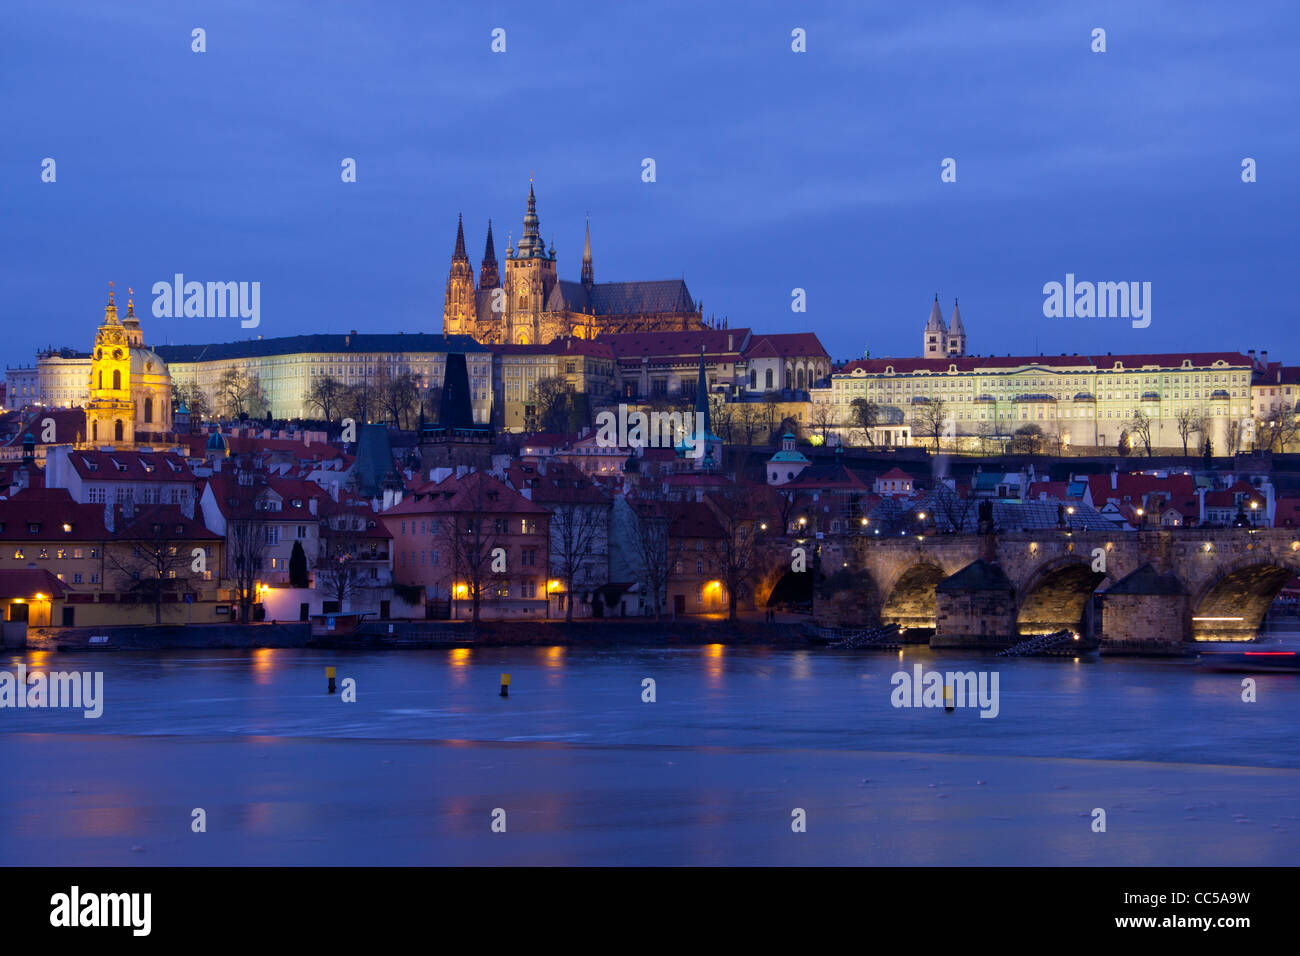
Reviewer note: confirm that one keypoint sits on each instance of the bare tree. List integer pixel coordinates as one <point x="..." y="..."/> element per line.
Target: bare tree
<point x="195" y="401"/>
<point x="653" y="544"/>
<point x="1140" y="425"/>
<point x="740" y="513"/>
<point x="1186" y="420"/>
<point x="239" y="393"/>
<point x="336" y="566"/>
<point x="400" y="396"/>
<point x="326" y="394"/>
<point x="822" y="419"/>
<point x="152" y="555"/>
<point x="476" y="532"/>
<point x="1277" y="430"/>
<point x="864" y="415"/>
<point x="579" y="515"/>
<point x="931" y="419"/>
<point x="245" y="511"/>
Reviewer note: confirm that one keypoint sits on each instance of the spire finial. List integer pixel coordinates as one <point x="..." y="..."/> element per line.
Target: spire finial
<point x="110" y="291"/>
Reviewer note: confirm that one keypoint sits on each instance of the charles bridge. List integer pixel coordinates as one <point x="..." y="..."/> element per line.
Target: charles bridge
<point x="1146" y="592"/>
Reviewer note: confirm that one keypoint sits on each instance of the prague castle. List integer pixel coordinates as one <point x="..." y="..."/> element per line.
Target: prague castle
<point x="531" y="305"/>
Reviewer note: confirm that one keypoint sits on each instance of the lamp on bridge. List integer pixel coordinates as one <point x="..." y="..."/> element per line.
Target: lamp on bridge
<point x="1254" y="507"/>
<point x="1142" y="517"/>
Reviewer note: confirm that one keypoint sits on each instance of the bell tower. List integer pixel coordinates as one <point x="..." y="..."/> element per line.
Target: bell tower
<point x="530" y="277"/>
<point x="458" y="310"/>
<point x="110" y="413"/>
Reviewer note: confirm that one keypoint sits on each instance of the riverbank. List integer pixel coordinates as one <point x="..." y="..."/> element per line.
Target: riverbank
<point x="403" y="634"/>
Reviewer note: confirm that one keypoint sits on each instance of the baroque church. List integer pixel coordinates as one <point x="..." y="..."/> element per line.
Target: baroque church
<point x="531" y="305"/>
<point x="130" y="387"/>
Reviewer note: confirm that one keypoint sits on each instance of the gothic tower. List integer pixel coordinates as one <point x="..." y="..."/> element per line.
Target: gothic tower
<point x="530" y="277"/>
<point x="588" y="274"/>
<point x="488" y="277"/>
<point x="458" y="312"/>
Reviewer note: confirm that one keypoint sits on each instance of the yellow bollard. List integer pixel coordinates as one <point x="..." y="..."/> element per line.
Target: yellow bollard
<point x="505" y="685"/>
<point x="329" y="673"/>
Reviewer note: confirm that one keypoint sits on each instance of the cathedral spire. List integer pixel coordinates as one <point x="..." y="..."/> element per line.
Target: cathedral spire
<point x="488" y="275"/>
<point x="588" y="273"/>
<point x="460" y="241"/>
<point x="530" y="243"/>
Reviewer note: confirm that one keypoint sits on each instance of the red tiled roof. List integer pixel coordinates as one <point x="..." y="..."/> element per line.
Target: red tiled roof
<point x="463" y="495"/>
<point x="974" y="363"/>
<point x="26" y="583"/>
<point x="635" y="345"/>
<point x="782" y="344"/>
<point x="130" y="465"/>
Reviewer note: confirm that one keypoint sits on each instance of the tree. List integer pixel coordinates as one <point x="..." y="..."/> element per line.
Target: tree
<point x="1028" y="440"/>
<point x="864" y="415"/>
<point x="326" y="394"/>
<point x="771" y="414"/>
<point x="1186" y="420"/>
<point x="336" y="568"/>
<point x="239" y="394"/>
<point x="153" y="556"/>
<point x="579" y="514"/>
<point x="1277" y="430"/>
<point x="741" y="514"/>
<point x="359" y="401"/>
<point x="1140" y="425"/>
<point x="245" y="511"/>
<point x="551" y="397"/>
<point x="822" y="419"/>
<point x="652" y="544"/>
<point x="298" y="566"/>
<point x="931" y="419"/>
<point x="1208" y="454"/>
<point x="474" y="536"/>
<point x="400" y="396"/>
<point x="194" y="399"/>
<point x="1125" y="445"/>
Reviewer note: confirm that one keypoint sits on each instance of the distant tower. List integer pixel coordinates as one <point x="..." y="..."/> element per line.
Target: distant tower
<point x="936" y="333"/>
<point x="458" y="305"/>
<point x="956" y="334"/>
<point x="488" y="276"/>
<point x="530" y="277"/>
<point x="588" y="273"/>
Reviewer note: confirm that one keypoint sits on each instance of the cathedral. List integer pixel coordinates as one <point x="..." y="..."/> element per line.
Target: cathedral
<point x="530" y="305"/>
<point x="130" y="387"/>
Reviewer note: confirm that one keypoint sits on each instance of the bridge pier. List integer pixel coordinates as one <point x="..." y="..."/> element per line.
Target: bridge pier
<point x="1146" y="613"/>
<point x="976" y="607"/>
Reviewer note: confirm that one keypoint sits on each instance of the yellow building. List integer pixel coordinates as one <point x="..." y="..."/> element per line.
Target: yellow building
<point x="585" y="367"/>
<point x="130" y="388"/>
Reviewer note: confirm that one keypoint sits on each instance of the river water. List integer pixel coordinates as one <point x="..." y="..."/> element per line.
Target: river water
<point x="738" y="745"/>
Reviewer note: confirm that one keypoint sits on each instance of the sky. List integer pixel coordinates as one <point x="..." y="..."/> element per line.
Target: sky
<point x="775" y="170"/>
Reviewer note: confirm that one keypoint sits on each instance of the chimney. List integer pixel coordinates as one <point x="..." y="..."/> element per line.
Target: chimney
<point x="1200" y="493"/>
<point x="1263" y="357"/>
<point x="311" y="505"/>
<point x="108" y="517"/>
<point x="731" y="342"/>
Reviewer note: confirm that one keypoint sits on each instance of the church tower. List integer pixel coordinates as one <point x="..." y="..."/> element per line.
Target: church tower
<point x="588" y="273"/>
<point x="530" y="277"/>
<point x="110" y="412"/>
<point x="936" y="333"/>
<point x="956" y="334"/>
<point x="488" y="276"/>
<point x="458" y="312"/>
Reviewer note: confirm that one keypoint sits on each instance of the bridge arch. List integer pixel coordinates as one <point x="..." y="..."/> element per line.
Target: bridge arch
<point x="1058" y="595"/>
<point x="1232" y="604"/>
<point x="910" y="600"/>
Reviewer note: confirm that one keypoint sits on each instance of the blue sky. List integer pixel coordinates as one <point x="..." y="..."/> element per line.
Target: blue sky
<point x="775" y="170"/>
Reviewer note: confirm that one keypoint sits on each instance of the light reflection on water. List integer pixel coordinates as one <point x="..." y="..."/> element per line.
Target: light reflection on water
<point x="715" y="695"/>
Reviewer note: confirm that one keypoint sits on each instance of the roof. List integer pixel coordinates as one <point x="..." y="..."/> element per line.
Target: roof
<point x="28" y="582"/>
<point x="895" y="473"/>
<point x="694" y="519"/>
<point x="44" y="514"/>
<point x="476" y="491"/>
<point x="558" y="346"/>
<point x="786" y="343"/>
<point x="622" y="298"/>
<point x="638" y="345"/>
<point x="319" y="342"/>
<point x="92" y="464"/>
<point x="976" y="363"/>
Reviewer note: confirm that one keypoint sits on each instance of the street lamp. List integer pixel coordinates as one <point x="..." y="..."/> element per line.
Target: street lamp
<point x="1142" y="518"/>
<point x="1254" y="506"/>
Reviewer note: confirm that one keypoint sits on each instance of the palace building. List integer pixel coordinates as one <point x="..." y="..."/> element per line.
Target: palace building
<point x="531" y="305"/>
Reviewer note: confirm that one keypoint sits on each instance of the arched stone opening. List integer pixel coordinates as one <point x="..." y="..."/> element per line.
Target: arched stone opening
<point x="1059" y="598"/>
<point x="1233" y="605"/>
<point x="911" y="601"/>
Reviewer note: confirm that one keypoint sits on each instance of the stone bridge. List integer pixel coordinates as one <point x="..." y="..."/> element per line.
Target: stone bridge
<point x="1136" y="592"/>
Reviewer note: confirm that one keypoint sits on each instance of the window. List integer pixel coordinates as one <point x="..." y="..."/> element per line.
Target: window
<point x="273" y="534"/>
<point x="302" y="531"/>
